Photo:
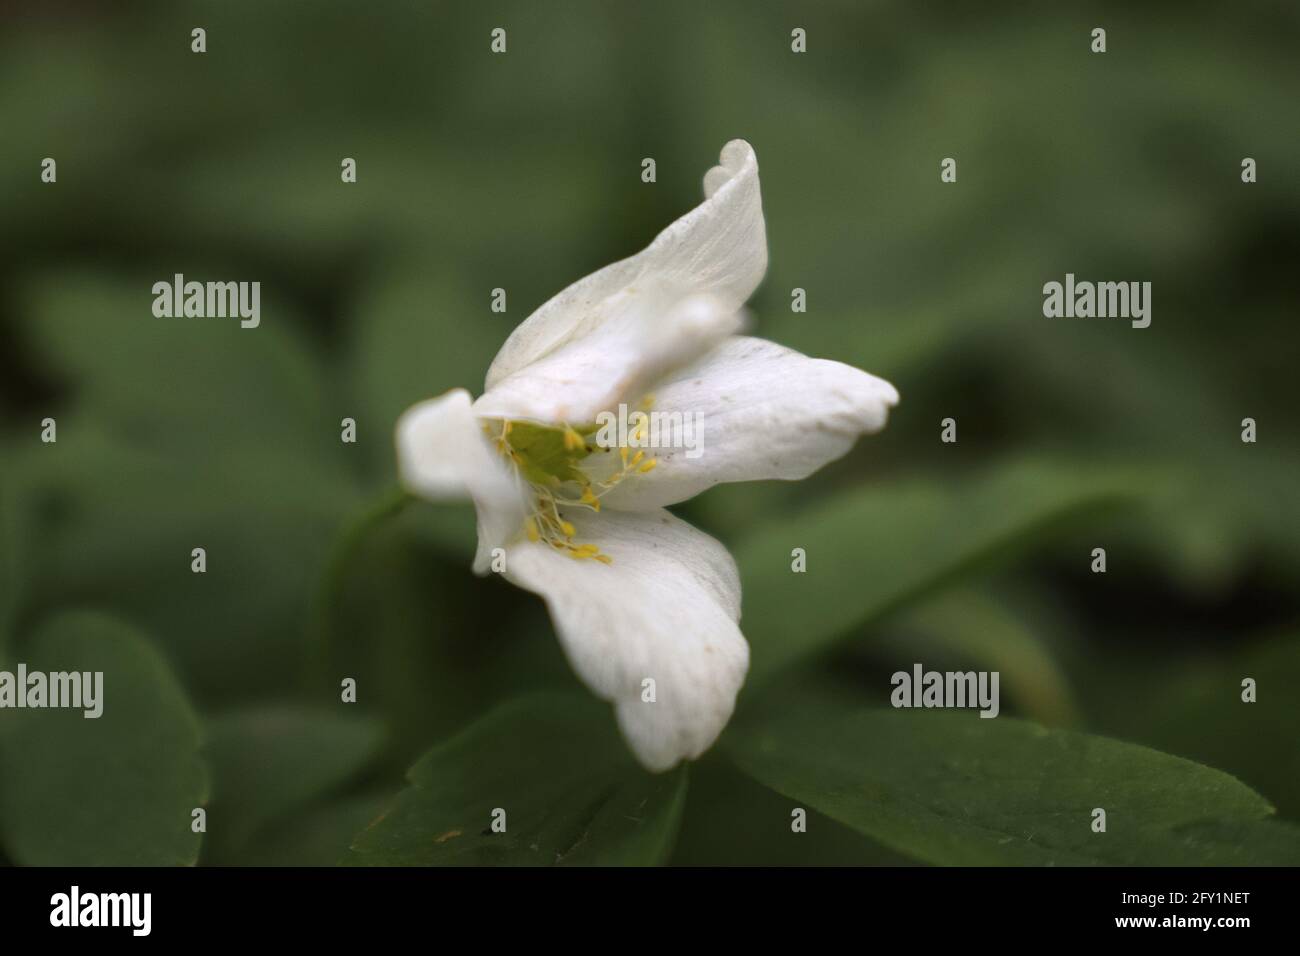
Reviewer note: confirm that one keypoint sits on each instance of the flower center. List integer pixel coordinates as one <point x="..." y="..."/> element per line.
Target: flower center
<point x="553" y="460"/>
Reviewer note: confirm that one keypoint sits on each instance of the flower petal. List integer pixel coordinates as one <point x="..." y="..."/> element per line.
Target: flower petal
<point x="442" y="454"/>
<point x="647" y="336"/>
<point x="718" y="249"/>
<point x="764" y="411"/>
<point x="665" y="608"/>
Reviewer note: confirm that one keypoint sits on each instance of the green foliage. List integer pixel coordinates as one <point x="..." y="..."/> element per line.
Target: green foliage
<point x="320" y="836"/>
<point x="118" y="789"/>
<point x="9" y="568"/>
<point x="520" y="172"/>
<point x="957" y="789"/>
<point x="268" y="763"/>
<point x="414" y="334"/>
<point x="1196" y="710"/>
<point x="879" y="547"/>
<point x="978" y="629"/>
<point x="574" y="795"/>
<point x="724" y="801"/>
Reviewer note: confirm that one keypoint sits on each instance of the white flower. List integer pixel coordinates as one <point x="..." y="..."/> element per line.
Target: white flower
<point x="635" y="593"/>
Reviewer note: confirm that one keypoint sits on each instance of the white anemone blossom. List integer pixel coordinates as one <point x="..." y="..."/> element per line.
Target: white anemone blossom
<point x="646" y="606"/>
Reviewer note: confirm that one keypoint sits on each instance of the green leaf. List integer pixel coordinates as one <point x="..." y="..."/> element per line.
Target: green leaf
<point x="870" y="551"/>
<point x="1195" y="709"/>
<point x="114" y="526"/>
<point x="432" y="646"/>
<point x="319" y="836"/>
<point x="417" y="334"/>
<point x="571" y="792"/>
<point x="268" y="762"/>
<point x="732" y="820"/>
<point x="983" y="631"/>
<point x="114" y="790"/>
<point x="10" y="567"/>
<point x="191" y="385"/>
<point x="176" y="434"/>
<point x="953" y="788"/>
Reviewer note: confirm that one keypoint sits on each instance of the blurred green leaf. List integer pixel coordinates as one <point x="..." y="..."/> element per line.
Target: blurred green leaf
<point x="1227" y="500"/>
<point x="418" y="332"/>
<point x="985" y="632"/>
<point x="182" y="434"/>
<point x="556" y="765"/>
<point x="956" y="789"/>
<point x="114" y="790"/>
<point x="1194" y="708"/>
<point x="871" y="550"/>
<point x="725" y="802"/>
<point x="431" y="645"/>
<point x="319" y="836"/>
<point x="10" y="566"/>
<point x="114" y="525"/>
<point x="270" y="762"/>
<point x="184" y="385"/>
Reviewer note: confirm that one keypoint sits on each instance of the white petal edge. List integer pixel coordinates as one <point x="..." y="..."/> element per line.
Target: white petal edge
<point x="665" y="608"/>
<point x="647" y="337"/>
<point x="442" y="454"/>
<point x="719" y="249"/>
<point x="767" y="412"/>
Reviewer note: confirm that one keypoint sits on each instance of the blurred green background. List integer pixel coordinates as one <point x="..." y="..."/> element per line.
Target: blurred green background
<point x="522" y="171"/>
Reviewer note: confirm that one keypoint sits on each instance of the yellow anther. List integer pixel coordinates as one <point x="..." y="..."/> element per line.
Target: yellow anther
<point x="551" y="475"/>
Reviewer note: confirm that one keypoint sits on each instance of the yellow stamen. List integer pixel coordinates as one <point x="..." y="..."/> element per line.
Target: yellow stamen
<point x="551" y="476"/>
